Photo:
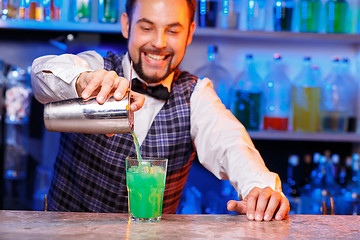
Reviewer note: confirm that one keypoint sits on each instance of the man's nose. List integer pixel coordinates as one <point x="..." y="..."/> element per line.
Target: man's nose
<point x="159" y="40"/>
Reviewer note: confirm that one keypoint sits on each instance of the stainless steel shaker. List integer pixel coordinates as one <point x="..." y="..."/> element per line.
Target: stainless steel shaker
<point x="87" y="116"/>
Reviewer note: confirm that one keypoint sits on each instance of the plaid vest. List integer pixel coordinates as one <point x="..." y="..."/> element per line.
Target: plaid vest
<point x="89" y="172"/>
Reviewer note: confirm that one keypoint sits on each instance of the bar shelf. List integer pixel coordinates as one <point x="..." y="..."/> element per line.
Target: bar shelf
<point x="61" y="26"/>
<point x="304" y="136"/>
<point x="278" y="36"/>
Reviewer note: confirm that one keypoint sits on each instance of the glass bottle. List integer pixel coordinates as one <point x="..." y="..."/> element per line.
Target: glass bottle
<point x="229" y="14"/>
<point x="283" y="14"/>
<point x="82" y="10"/>
<point x="256" y="15"/>
<point x="309" y="13"/>
<point x="23" y="9"/>
<point x="2" y="86"/>
<point x="246" y="96"/>
<point x="17" y="104"/>
<point x="108" y="11"/>
<point x="334" y="100"/>
<point x="291" y="186"/>
<point x="351" y="198"/>
<point x="207" y="13"/>
<point x="277" y="93"/>
<point x="33" y="9"/>
<point x="220" y="77"/>
<point x="9" y="9"/>
<point x="46" y="5"/>
<point x="353" y="94"/>
<point x="56" y="6"/>
<point x="337" y="12"/>
<point x="306" y="99"/>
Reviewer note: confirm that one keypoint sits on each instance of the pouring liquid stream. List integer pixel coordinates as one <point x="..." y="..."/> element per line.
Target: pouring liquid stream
<point x="137" y="146"/>
<point x="136" y="141"/>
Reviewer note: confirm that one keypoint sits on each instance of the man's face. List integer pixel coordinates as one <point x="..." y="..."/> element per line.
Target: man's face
<point x="157" y="38"/>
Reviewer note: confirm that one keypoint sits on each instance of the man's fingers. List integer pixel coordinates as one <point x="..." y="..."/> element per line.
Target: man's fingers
<point x="121" y="88"/>
<point x="251" y="202"/>
<point x="272" y="205"/>
<point x="102" y="84"/>
<point x="138" y="101"/>
<point x="236" y="206"/>
<point x="262" y="203"/>
<point x="91" y="83"/>
<point x="109" y="82"/>
<point x="284" y="209"/>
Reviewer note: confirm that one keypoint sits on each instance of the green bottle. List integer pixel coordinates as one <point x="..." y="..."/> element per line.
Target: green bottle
<point x="309" y="15"/>
<point x="82" y="10"/>
<point x="337" y="12"/>
<point x="108" y="11"/>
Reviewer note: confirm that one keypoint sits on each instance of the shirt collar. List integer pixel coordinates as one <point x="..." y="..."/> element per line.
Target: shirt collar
<point x="126" y="69"/>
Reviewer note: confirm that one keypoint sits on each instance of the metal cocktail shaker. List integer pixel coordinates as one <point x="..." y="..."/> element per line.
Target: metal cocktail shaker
<point x="87" y="116"/>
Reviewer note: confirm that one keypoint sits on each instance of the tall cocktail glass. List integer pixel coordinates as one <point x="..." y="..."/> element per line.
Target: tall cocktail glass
<point x="145" y="179"/>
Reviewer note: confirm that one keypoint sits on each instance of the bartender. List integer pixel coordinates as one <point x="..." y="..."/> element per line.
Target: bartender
<point x="181" y="116"/>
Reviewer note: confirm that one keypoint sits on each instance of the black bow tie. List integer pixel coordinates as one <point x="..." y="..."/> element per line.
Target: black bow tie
<point x="158" y="91"/>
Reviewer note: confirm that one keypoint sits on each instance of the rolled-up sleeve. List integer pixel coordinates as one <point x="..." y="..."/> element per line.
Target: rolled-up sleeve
<point x="223" y="144"/>
<point x="53" y="77"/>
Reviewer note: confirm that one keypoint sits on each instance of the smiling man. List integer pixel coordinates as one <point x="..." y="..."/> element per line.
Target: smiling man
<point x="181" y="116"/>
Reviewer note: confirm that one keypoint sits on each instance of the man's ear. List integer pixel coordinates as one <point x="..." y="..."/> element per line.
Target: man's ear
<point x="125" y="24"/>
<point x="191" y="32"/>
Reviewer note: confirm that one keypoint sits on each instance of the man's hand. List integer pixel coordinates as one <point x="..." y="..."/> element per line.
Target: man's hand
<point x="102" y="84"/>
<point x="262" y="204"/>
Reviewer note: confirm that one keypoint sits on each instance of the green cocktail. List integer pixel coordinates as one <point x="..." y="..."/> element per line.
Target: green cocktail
<point x="145" y="179"/>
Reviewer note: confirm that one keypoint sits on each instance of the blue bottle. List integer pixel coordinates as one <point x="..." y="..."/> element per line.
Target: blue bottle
<point x="283" y="14"/>
<point x="207" y="13"/>
<point x="256" y="15"/>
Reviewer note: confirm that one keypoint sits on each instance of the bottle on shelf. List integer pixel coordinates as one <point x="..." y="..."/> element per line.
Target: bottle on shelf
<point x="351" y="198"/>
<point x="9" y="9"/>
<point x="229" y="14"/>
<point x="335" y="166"/>
<point x="55" y="9"/>
<point x="292" y="183"/>
<point x="334" y="100"/>
<point x="277" y="94"/>
<point x="291" y="186"/>
<point x="256" y="15"/>
<point x="207" y="13"/>
<point x="306" y="169"/>
<point x="81" y="10"/>
<point x="29" y="9"/>
<point x="309" y="13"/>
<point x="221" y="78"/>
<point x="108" y="11"/>
<point x="46" y="5"/>
<point x="17" y="104"/>
<point x="337" y="13"/>
<point x="283" y="14"/>
<point x="306" y="97"/>
<point x="322" y="187"/>
<point x="246" y="96"/>
<point x="353" y="94"/>
<point x="307" y="186"/>
<point x="23" y="9"/>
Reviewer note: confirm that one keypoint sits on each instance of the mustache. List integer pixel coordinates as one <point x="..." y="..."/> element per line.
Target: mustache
<point x="157" y="51"/>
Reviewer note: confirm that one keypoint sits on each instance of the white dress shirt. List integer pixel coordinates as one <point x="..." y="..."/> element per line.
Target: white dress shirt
<point x="221" y="141"/>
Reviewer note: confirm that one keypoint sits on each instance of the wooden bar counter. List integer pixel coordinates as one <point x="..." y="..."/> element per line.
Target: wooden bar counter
<point x="23" y="225"/>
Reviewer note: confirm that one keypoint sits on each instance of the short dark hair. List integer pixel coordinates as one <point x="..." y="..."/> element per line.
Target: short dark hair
<point x="130" y="5"/>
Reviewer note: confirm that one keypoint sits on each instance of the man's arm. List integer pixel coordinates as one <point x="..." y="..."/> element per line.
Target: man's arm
<point x="67" y="76"/>
<point x="225" y="148"/>
<point x="54" y="77"/>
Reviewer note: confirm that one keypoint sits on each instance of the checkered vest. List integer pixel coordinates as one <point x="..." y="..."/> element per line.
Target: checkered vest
<point x="89" y="172"/>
